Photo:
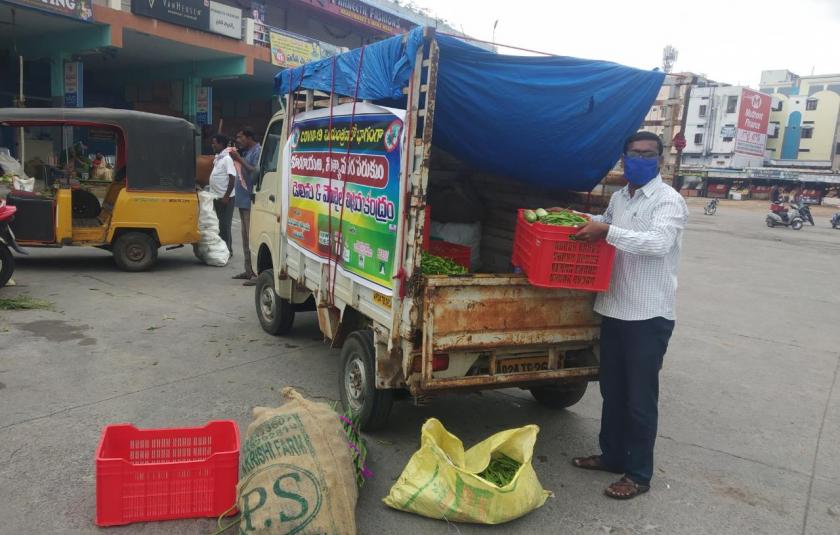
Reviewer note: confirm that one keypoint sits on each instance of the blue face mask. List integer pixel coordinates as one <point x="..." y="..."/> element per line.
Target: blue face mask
<point x="640" y="171"/>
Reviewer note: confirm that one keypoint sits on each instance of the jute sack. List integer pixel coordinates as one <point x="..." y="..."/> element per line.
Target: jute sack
<point x="296" y="472"/>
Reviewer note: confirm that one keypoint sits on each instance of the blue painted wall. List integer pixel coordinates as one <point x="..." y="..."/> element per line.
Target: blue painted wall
<point x="793" y="133"/>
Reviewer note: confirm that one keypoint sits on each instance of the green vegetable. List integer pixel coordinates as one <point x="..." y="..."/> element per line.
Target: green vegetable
<point x="529" y="215"/>
<point x="435" y="265"/>
<point x="501" y="470"/>
<point x="541" y="212"/>
<point x="562" y="218"/>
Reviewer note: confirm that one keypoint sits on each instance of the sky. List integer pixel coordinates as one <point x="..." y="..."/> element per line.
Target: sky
<point x="730" y="41"/>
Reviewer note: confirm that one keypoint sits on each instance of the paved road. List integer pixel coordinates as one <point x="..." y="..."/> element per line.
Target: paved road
<point x="750" y="407"/>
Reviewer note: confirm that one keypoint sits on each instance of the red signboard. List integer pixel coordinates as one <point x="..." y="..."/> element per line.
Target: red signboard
<point x="362" y="13"/>
<point x="753" y="119"/>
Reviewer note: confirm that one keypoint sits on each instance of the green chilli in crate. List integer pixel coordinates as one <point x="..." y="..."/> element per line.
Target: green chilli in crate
<point x="561" y="218"/>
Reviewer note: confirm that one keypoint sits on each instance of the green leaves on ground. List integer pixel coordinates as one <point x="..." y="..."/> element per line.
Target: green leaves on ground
<point x="24" y="302"/>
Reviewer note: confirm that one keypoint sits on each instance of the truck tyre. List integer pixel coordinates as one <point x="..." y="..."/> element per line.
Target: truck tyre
<point x="7" y="264"/>
<point x="135" y="251"/>
<point x="559" y="396"/>
<point x="369" y="407"/>
<point x="276" y="315"/>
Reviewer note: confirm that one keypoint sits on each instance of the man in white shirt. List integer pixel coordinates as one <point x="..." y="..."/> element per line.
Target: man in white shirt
<point x="644" y="221"/>
<point x="222" y="181"/>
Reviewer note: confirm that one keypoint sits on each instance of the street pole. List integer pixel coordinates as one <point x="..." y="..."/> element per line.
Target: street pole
<point x="683" y="124"/>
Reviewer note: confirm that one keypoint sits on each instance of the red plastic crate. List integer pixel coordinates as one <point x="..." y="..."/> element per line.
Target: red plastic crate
<point x="164" y="474"/>
<point x="551" y="259"/>
<point x="460" y="254"/>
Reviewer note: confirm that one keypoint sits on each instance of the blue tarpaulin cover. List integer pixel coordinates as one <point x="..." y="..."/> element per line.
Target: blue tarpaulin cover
<point x="557" y="122"/>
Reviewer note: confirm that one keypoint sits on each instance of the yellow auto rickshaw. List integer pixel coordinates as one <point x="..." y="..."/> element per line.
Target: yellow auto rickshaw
<point x="120" y="180"/>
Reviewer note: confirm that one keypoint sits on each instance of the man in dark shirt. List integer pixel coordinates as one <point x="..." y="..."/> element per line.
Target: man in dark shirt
<point x="249" y="160"/>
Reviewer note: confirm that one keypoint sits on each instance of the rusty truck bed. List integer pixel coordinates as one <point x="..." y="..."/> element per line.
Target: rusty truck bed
<point x="498" y="317"/>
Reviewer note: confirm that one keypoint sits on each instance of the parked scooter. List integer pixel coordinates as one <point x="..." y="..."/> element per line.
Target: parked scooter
<point x="784" y="217"/>
<point x="835" y="220"/>
<point x="711" y="207"/>
<point x="7" y="240"/>
<point x="804" y="212"/>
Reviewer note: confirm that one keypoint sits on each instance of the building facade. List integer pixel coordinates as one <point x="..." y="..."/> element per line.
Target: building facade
<point x="212" y="62"/>
<point x="718" y="118"/>
<point x="805" y="120"/>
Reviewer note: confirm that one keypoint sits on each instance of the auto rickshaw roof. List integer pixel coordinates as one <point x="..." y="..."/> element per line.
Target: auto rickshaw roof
<point x="160" y="150"/>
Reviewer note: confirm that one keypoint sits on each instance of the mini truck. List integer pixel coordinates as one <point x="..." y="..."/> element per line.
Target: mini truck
<point x="347" y="166"/>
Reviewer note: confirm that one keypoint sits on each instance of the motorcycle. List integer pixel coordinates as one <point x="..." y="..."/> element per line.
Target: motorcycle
<point x="835" y="220"/>
<point x="804" y="212"/>
<point x="7" y="240"/>
<point x="786" y="217"/>
<point x="711" y="207"/>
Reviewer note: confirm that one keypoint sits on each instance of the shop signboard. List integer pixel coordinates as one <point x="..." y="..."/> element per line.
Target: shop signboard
<point x="225" y="20"/>
<point x="772" y="174"/>
<point x="74" y="84"/>
<point x="76" y="9"/>
<point x="292" y="50"/>
<point x="753" y="120"/>
<point x="204" y="106"/>
<point x="343" y="202"/>
<point x="362" y="13"/>
<point x="189" y="13"/>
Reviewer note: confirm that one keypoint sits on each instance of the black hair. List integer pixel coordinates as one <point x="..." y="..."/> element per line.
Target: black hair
<point x="644" y="136"/>
<point x="221" y="139"/>
<point x="248" y="132"/>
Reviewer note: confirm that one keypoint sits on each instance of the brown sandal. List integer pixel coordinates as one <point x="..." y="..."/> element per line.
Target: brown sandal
<point x="593" y="462"/>
<point x="625" y="489"/>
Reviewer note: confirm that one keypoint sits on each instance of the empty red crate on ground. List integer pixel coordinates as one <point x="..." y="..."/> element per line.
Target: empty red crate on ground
<point x="550" y="258"/>
<point x="460" y="254"/>
<point x="166" y="474"/>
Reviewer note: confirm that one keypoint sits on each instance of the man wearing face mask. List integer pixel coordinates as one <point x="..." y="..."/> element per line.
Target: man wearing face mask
<point x="644" y="221"/>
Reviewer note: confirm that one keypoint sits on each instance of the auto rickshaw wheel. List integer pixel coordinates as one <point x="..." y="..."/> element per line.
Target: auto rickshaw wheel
<point x="7" y="264"/>
<point x="135" y="251"/>
<point x="369" y="406"/>
<point x="559" y="396"/>
<point x="276" y="315"/>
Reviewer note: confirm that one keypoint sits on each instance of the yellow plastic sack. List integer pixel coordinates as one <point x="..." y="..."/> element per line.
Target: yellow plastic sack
<point x="440" y="479"/>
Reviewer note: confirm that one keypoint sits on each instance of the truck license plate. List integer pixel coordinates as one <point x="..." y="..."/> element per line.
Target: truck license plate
<point x="522" y="365"/>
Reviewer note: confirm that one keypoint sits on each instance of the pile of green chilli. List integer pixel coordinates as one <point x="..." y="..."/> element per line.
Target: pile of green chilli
<point x="435" y="265"/>
<point x="500" y="471"/>
<point x="562" y="218"/>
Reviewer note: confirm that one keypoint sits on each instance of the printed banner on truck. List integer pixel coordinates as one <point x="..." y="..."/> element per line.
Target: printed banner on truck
<point x="353" y="197"/>
<point x="753" y="119"/>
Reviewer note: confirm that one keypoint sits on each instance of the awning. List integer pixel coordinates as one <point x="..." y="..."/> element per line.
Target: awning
<point x="558" y="122"/>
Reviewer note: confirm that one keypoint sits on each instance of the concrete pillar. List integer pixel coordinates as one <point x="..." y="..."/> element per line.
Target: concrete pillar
<point x="191" y="85"/>
<point x="57" y="60"/>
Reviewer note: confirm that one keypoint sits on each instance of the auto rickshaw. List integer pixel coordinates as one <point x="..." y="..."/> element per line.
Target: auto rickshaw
<point x="145" y="201"/>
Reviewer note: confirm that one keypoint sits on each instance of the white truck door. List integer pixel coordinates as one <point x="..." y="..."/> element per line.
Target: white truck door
<point x="265" y="227"/>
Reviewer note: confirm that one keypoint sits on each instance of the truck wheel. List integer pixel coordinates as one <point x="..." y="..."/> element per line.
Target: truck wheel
<point x="559" y="396"/>
<point x="7" y="265"/>
<point x="135" y="251"/>
<point x="368" y="406"/>
<point x="276" y="315"/>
